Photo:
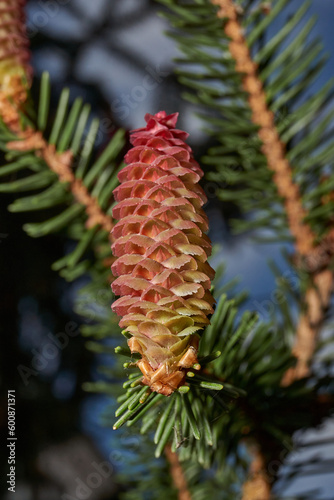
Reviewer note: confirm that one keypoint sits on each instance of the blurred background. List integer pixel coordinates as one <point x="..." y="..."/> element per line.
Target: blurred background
<point x="116" y="56"/>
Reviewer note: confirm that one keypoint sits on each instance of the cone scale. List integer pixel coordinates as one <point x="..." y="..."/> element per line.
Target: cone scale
<point x="161" y="249"/>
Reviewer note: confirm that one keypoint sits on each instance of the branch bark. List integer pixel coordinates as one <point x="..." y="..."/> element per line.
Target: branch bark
<point x="317" y="300"/>
<point x="60" y="163"/>
<point x="177" y="474"/>
<point x="257" y="487"/>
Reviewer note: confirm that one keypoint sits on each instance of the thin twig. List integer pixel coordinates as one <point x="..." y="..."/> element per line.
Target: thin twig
<point x="257" y="487"/>
<point x="177" y="474"/>
<point x="317" y="298"/>
<point x="272" y="147"/>
<point x="60" y="163"/>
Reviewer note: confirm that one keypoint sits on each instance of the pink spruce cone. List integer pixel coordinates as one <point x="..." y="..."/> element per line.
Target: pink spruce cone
<point x="163" y="279"/>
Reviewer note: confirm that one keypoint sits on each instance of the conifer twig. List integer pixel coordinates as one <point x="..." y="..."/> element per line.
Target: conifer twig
<point x="272" y="147"/>
<point x="308" y="249"/>
<point x="177" y="474"/>
<point x="60" y="163"/>
<point x="15" y="79"/>
<point x="317" y="297"/>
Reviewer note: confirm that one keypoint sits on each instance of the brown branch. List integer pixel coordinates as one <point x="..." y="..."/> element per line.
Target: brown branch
<point x="257" y="487"/>
<point x="15" y="79"/>
<point x="317" y="297"/>
<point x="272" y="147"/>
<point x="60" y="163"/>
<point x="177" y="474"/>
<point x="317" y="300"/>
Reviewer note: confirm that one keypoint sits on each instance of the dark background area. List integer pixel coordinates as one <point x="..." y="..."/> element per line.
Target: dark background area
<point x="102" y="50"/>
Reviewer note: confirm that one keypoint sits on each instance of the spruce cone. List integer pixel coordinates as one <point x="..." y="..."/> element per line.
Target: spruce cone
<point x="163" y="279"/>
<point x="15" y="72"/>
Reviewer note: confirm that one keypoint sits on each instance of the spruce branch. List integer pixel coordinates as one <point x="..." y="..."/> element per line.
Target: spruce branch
<point x="61" y="163"/>
<point x="15" y="81"/>
<point x="307" y="245"/>
<point x="317" y="301"/>
<point x="272" y="146"/>
<point x="318" y="296"/>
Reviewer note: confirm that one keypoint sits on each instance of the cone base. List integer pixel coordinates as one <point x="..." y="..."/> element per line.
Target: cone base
<point x="167" y="379"/>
